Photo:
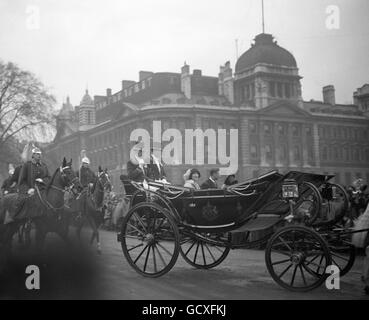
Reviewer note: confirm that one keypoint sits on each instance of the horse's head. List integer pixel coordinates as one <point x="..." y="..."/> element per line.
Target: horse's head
<point x="68" y="177"/>
<point x="104" y="179"/>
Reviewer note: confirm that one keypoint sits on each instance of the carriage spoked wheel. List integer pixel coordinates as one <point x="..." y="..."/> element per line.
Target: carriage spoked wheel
<point x="297" y="258"/>
<point x="204" y="250"/>
<point x="343" y="254"/>
<point x="150" y="239"/>
<point x="137" y="197"/>
<point x="335" y="204"/>
<point x="309" y="203"/>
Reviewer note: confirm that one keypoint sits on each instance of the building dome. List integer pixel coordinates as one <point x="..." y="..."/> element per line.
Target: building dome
<point x="87" y="100"/>
<point x="265" y="50"/>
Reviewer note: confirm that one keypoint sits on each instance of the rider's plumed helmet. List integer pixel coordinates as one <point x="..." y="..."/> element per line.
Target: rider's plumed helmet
<point x="86" y="160"/>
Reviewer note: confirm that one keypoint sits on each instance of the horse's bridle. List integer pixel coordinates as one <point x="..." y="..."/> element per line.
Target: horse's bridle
<point x="107" y="180"/>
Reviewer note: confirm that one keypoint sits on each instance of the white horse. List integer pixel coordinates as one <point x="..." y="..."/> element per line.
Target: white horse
<point x="361" y="240"/>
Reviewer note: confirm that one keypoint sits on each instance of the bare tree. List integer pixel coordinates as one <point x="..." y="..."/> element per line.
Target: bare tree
<point x="26" y="106"/>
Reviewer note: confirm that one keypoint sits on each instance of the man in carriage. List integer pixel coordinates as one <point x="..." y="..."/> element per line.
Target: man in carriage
<point x="211" y="183"/>
<point x="155" y="169"/>
<point x="8" y="184"/>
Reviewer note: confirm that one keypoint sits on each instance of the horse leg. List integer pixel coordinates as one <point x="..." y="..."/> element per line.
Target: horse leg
<point x="95" y="233"/>
<point x="79" y="227"/>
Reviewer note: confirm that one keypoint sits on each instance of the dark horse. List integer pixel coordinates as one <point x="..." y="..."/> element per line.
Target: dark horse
<point x="90" y="205"/>
<point x="45" y="209"/>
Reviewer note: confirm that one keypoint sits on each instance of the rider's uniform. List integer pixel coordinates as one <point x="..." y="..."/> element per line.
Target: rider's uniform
<point x="29" y="172"/>
<point x="87" y="176"/>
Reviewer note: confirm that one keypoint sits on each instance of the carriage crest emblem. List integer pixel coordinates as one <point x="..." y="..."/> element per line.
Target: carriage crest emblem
<point x="210" y="212"/>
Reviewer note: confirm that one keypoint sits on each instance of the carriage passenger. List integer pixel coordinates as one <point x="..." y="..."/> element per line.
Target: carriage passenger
<point x="155" y="169"/>
<point x="211" y="183"/>
<point x="136" y="168"/>
<point x="191" y="178"/>
<point x="229" y="181"/>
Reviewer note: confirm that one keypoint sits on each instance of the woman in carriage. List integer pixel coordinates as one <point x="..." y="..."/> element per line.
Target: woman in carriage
<point x="191" y="178"/>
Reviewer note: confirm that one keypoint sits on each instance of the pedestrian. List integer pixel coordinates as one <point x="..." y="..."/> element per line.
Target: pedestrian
<point x="229" y="181"/>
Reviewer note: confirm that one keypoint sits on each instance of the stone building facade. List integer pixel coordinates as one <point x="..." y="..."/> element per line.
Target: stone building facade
<point x="261" y="98"/>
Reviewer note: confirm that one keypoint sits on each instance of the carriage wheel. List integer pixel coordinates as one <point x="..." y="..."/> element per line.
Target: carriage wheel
<point x="137" y="197"/>
<point x="150" y="239"/>
<point x="343" y="255"/>
<point x="202" y="254"/>
<point x="308" y="205"/>
<point x="297" y="258"/>
<point x="333" y="208"/>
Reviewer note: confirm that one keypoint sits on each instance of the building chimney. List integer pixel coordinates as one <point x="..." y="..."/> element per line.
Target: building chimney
<point x="186" y="81"/>
<point x="145" y="74"/>
<point x="108" y="92"/>
<point x="197" y="72"/>
<point x="329" y="95"/>
<point x="127" y="83"/>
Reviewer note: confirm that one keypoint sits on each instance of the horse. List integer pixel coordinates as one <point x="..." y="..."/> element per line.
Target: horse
<point x="90" y="205"/>
<point x="44" y="209"/>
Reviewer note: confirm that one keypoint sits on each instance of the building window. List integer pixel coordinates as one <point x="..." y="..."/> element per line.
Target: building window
<point x="297" y="153"/>
<point x="143" y="84"/>
<point x="308" y="131"/>
<point x="253" y="151"/>
<point x="281" y="129"/>
<point x="295" y="131"/>
<point x="283" y="152"/>
<point x="252" y="127"/>
<point x="148" y="81"/>
<point x="267" y="129"/>
<point x="268" y="153"/>
<point x="325" y="153"/>
<point x="280" y="90"/>
<point x="287" y="90"/>
<point x="272" y="88"/>
<point x="310" y="153"/>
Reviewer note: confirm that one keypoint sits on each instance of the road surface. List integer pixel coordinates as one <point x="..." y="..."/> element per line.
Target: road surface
<point x="78" y="272"/>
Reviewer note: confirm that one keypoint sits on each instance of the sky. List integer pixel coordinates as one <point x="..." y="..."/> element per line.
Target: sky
<point x="73" y="45"/>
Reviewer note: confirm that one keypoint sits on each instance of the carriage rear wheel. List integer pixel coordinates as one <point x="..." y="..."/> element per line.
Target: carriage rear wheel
<point x="150" y="239"/>
<point x="297" y="258"/>
<point x="204" y="250"/>
<point x="343" y="254"/>
<point x="308" y="205"/>
<point x="335" y="205"/>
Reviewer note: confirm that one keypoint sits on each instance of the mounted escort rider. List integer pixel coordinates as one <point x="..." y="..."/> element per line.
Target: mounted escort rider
<point x="86" y="176"/>
<point x="32" y="172"/>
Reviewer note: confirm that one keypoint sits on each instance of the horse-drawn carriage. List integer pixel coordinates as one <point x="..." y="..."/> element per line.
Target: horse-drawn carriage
<point x="301" y="212"/>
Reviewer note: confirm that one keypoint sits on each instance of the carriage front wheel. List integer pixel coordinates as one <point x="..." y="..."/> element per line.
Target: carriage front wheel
<point x="150" y="239"/>
<point x="297" y="258"/>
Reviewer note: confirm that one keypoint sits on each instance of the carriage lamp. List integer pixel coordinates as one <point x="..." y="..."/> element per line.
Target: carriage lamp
<point x="290" y="189"/>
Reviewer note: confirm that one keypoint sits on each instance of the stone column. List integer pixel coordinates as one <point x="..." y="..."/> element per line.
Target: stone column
<point x="291" y="161"/>
<point x="304" y="144"/>
<point x="244" y="148"/>
<point x="316" y="145"/>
